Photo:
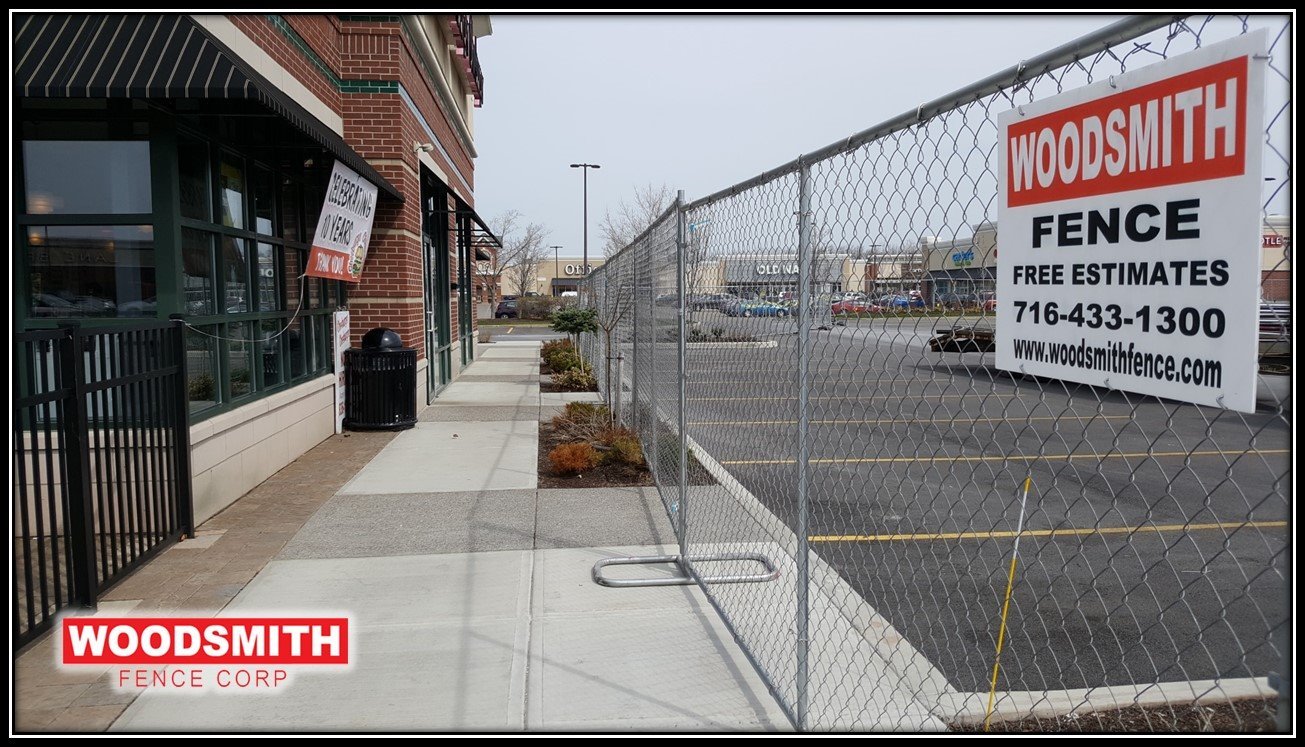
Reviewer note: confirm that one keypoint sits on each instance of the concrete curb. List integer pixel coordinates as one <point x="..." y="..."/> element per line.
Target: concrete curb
<point x="1017" y="704"/>
<point x="923" y="682"/>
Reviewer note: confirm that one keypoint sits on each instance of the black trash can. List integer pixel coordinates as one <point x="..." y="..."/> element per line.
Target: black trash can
<point x="380" y="383"/>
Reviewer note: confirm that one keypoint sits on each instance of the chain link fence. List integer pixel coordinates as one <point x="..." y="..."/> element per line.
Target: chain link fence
<point x="815" y="340"/>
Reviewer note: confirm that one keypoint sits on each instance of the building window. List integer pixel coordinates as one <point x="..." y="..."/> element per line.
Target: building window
<point x="197" y="271"/>
<point x="236" y="267"/>
<point x="201" y="368"/>
<point x="231" y="191"/>
<point x="193" y="167"/>
<point x="63" y="177"/>
<point x="243" y="269"/>
<point x="90" y="271"/>
<point x="102" y="234"/>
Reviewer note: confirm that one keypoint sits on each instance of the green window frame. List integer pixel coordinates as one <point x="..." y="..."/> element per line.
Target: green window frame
<point x="264" y="327"/>
<point x="256" y="325"/>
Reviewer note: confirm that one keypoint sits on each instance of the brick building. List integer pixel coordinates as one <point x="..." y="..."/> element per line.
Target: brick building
<point x="177" y="165"/>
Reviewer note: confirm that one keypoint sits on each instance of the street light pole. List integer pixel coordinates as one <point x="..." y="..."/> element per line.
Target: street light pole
<point x="555" y="247"/>
<point x="584" y="167"/>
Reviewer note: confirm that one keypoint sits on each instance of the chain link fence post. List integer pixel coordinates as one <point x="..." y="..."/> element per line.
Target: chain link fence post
<point x="681" y="248"/>
<point x="803" y="443"/>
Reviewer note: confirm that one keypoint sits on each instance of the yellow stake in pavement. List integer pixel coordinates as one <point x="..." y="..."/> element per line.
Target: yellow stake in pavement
<point x="1005" y="606"/>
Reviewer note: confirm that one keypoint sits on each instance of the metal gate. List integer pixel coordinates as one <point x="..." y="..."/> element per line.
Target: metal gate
<point x="101" y="462"/>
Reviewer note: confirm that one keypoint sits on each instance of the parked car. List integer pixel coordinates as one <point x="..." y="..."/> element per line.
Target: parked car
<point x="142" y="307"/>
<point x="507" y="309"/>
<point x="50" y="305"/>
<point x="712" y="301"/>
<point x="1275" y="329"/>
<point x="759" y="308"/>
<point x="855" y="306"/>
<point x="897" y="302"/>
<point x="957" y="300"/>
<point x="988" y="301"/>
<point x="95" y="305"/>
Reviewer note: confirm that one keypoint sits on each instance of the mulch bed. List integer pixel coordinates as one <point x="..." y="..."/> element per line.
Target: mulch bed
<point x="548" y="386"/>
<point x="1242" y="716"/>
<point x="605" y="475"/>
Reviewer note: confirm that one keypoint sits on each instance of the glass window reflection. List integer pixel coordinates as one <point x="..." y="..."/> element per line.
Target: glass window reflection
<point x="90" y="271"/>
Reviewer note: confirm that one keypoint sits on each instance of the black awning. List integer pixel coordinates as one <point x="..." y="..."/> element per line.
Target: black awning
<point x="64" y="55"/>
<point x="482" y="238"/>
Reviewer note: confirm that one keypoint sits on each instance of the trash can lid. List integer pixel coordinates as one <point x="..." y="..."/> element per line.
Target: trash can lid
<point x="381" y="338"/>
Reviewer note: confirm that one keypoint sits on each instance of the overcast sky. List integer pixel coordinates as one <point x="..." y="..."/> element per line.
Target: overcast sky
<point x="700" y="103"/>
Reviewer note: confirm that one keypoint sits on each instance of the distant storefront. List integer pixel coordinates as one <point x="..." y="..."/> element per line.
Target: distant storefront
<point x="774" y="275"/>
<point x="559" y="275"/>
<point x="961" y="267"/>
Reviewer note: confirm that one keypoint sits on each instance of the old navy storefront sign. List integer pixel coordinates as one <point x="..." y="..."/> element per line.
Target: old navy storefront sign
<point x="344" y="229"/>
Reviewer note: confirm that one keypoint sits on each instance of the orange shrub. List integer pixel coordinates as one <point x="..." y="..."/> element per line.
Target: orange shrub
<point x="572" y="459"/>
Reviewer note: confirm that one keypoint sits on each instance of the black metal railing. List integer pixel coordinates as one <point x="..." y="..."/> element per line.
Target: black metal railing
<point x="101" y="462"/>
<point x="467" y="34"/>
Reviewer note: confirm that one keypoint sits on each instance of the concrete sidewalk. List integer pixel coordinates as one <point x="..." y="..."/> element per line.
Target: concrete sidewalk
<point x="471" y="597"/>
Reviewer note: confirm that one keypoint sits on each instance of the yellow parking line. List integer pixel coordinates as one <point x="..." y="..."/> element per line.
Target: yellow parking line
<point x="1015" y="458"/>
<point x="1234" y="525"/>
<point x="913" y="420"/>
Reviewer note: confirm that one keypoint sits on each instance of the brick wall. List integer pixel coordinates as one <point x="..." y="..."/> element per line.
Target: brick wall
<point x="1275" y="285"/>
<point x="274" y="42"/>
<point x="423" y="95"/>
<point x="382" y="128"/>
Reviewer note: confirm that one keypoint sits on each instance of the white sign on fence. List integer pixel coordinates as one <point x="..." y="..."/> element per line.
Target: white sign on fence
<point x="341" y="344"/>
<point x="1129" y="229"/>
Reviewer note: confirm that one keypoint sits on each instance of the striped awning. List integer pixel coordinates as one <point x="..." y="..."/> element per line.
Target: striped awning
<point x="62" y="55"/>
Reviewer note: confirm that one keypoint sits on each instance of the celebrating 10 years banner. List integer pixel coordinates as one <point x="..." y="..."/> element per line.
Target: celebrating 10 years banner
<point x="344" y="229"/>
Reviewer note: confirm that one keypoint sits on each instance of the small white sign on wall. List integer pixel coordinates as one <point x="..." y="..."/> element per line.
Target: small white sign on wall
<point x="341" y="345"/>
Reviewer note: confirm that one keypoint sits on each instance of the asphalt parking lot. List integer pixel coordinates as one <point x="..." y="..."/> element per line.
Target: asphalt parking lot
<point x="1155" y="544"/>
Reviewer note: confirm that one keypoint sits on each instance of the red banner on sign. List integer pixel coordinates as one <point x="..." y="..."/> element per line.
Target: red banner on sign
<point x="1187" y="128"/>
<point x="330" y="264"/>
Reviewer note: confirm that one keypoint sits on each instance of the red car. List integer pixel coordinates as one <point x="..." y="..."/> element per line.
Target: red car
<point x="855" y="307"/>
<point x="988" y="302"/>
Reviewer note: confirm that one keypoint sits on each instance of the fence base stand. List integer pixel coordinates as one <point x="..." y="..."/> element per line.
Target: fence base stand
<point x="685" y="578"/>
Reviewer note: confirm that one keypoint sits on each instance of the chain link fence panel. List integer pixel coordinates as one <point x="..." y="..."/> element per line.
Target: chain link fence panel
<point x="843" y="416"/>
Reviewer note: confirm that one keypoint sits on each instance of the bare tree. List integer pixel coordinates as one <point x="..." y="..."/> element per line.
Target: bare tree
<point x="519" y="259"/>
<point x="618" y="228"/>
<point x="613" y="299"/>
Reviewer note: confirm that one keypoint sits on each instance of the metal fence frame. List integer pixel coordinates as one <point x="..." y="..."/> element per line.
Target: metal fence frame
<point x="101" y="462"/>
<point x="636" y="266"/>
